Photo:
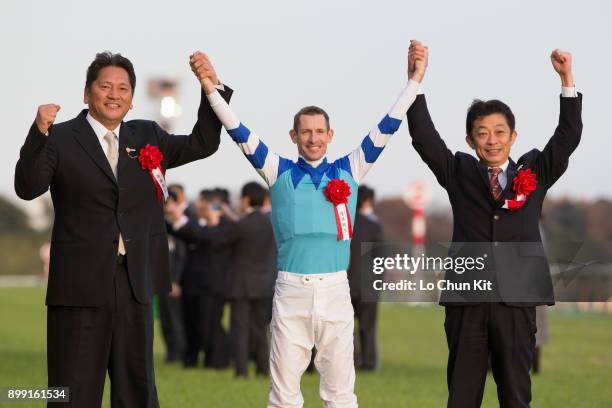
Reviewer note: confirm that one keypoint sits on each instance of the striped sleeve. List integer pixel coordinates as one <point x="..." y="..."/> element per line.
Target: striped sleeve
<point x="266" y="163"/>
<point x="363" y="157"/>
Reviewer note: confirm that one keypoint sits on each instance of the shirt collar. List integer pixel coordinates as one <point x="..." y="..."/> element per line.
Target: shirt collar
<point x="99" y="129"/>
<point x="504" y="166"/>
<point x="314" y="164"/>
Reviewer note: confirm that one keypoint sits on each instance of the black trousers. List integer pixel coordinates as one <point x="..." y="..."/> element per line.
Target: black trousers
<point x="366" y="355"/>
<point x="193" y="310"/>
<point x="84" y="342"/>
<point x="216" y="341"/>
<point x="248" y="332"/>
<point x="508" y="335"/>
<point x="171" y="319"/>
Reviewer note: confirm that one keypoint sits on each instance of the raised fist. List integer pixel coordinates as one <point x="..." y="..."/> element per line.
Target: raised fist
<point x="562" y="63"/>
<point x="45" y="116"/>
<point x="203" y="70"/>
<point x="418" y="56"/>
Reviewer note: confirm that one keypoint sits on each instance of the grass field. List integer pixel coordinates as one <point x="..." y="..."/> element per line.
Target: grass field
<point x="576" y="364"/>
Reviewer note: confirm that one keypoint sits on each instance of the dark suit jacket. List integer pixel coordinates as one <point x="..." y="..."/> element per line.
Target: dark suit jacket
<point x="360" y="275"/>
<point x="91" y="207"/>
<point x="516" y="260"/>
<point x="251" y="271"/>
<point x="197" y="262"/>
<point x="208" y="264"/>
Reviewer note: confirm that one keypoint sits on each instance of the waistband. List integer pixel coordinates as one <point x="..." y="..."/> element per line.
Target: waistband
<point x="321" y="279"/>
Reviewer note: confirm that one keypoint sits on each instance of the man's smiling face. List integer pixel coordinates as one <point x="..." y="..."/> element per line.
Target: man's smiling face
<point x="312" y="136"/>
<point x="109" y="96"/>
<point x="491" y="138"/>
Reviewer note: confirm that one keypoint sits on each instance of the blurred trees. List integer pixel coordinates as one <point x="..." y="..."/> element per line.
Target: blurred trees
<point x="19" y="243"/>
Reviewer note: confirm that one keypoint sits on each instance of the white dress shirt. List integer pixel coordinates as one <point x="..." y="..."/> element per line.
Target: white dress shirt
<point x="100" y="130"/>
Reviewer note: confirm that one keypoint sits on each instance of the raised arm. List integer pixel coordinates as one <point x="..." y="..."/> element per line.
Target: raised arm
<point x="265" y="162"/>
<point x="363" y="157"/>
<point x="38" y="156"/>
<point x="425" y="138"/>
<point x="553" y="160"/>
<point x="205" y="136"/>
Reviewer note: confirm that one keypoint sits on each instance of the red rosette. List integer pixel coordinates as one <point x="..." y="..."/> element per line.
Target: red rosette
<point x="150" y="157"/>
<point x="514" y="205"/>
<point x="337" y="191"/>
<point x="525" y="182"/>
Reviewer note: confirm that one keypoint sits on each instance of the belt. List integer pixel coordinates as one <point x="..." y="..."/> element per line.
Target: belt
<point x="306" y="279"/>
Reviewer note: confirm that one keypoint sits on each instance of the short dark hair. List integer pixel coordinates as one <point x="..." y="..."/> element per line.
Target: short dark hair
<point x="205" y="194"/>
<point x="364" y="193"/>
<point x="255" y="192"/>
<point x="176" y="186"/>
<point x="480" y="108"/>
<point x="108" y="59"/>
<point x="309" y="110"/>
<point x="220" y="193"/>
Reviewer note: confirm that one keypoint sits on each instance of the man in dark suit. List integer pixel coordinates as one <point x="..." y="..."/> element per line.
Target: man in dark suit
<point x="193" y="284"/>
<point x="252" y="277"/>
<point x="170" y="311"/>
<point x="205" y="280"/>
<point x="251" y="273"/>
<point x="109" y="242"/>
<point x="491" y="216"/>
<point x="364" y="298"/>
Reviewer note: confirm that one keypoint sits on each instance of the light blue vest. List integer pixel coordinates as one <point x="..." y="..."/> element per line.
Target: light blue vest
<point x="304" y="221"/>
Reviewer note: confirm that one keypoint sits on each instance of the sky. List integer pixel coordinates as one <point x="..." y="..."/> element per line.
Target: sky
<point x="348" y="57"/>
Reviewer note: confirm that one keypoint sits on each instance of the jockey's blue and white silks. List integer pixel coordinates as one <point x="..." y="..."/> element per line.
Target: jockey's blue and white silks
<point x="303" y="220"/>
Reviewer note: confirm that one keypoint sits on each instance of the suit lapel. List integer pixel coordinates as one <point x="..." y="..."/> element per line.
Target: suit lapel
<point x="86" y="137"/>
<point x="126" y="140"/>
<point x="484" y="177"/>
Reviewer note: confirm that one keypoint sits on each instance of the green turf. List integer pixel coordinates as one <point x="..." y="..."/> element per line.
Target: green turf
<point x="576" y="364"/>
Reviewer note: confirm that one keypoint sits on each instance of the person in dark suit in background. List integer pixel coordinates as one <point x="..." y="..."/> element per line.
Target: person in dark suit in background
<point x="181" y="199"/>
<point x="170" y="311"/>
<point x="209" y="273"/>
<point x="496" y="205"/>
<point x="364" y="298"/>
<point x="252" y="275"/>
<point x="109" y="246"/>
<point x="192" y="281"/>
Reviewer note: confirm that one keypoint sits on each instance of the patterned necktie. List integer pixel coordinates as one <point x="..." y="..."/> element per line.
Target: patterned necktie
<point x="496" y="189"/>
<point x="112" y="154"/>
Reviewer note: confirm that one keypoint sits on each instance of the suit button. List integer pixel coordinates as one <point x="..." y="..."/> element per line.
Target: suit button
<point x="121" y="214"/>
<point x="496" y="217"/>
<point x="496" y="243"/>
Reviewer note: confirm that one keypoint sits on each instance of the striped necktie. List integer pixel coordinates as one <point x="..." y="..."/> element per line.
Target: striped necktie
<point x="496" y="189"/>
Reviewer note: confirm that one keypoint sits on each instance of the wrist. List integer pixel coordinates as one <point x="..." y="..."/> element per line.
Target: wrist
<point x="567" y="80"/>
<point x="41" y="129"/>
<point x="417" y="77"/>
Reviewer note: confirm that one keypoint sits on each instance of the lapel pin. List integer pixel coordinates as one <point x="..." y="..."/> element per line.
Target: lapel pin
<point x="131" y="153"/>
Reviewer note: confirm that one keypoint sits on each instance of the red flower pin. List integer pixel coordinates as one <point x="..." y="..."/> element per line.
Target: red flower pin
<point x="150" y="157"/>
<point x="337" y="191"/>
<point x="523" y="184"/>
